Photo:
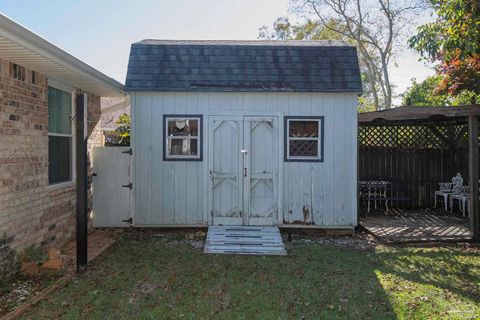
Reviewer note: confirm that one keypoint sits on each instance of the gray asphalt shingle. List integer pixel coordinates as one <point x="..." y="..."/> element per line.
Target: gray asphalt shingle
<point x="196" y="65"/>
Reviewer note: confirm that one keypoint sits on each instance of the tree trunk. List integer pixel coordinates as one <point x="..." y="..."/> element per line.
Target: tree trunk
<point x="388" y="88"/>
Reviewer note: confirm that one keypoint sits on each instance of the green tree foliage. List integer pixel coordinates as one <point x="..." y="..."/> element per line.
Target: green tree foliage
<point x="452" y="41"/>
<point x="123" y="129"/>
<point x="457" y="28"/>
<point x="425" y="94"/>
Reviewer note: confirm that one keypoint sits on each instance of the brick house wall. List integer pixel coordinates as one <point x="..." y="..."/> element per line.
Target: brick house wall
<point x="30" y="210"/>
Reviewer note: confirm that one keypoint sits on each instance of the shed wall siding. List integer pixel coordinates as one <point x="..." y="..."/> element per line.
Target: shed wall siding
<point x="175" y="192"/>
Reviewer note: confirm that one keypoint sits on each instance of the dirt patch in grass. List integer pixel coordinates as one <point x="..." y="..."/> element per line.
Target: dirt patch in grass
<point x="24" y="288"/>
<point x="343" y="239"/>
<point x="147" y="276"/>
<point x="360" y="241"/>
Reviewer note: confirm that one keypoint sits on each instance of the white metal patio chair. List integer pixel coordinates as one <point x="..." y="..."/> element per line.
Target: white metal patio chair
<point x="462" y="195"/>
<point x="376" y="191"/>
<point x="464" y="198"/>
<point x="446" y="189"/>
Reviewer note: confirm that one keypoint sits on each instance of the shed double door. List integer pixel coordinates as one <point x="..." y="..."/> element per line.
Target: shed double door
<point x="243" y="170"/>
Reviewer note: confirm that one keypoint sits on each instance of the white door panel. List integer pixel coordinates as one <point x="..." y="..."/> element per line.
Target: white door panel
<point x="111" y="199"/>
<point x="260" y="185"/>
<point x="224" y="170"/>
<point x="243" y="169"/>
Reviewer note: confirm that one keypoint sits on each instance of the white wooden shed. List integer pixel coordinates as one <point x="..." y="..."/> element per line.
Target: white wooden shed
<point x="244" y="133"/>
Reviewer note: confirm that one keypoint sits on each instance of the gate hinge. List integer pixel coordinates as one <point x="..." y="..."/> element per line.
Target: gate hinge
<point x="129" y="220"/>
<point x="129" y="186"/>
<point x="130" y="152"/>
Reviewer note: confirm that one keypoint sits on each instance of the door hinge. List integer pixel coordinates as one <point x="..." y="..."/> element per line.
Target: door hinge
<point x="129" y="220"/>
<point x="129" y="186"/>
<point x="130" y="152"/>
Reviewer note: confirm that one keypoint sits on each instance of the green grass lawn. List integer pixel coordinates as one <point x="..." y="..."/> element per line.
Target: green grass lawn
<point x="148" y="277"/>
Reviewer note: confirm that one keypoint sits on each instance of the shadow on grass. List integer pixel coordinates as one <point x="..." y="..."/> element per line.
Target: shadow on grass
<point x="147" y="277"/>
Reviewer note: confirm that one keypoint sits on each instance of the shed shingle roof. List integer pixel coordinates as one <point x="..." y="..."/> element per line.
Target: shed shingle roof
<point x="201" y="65"/>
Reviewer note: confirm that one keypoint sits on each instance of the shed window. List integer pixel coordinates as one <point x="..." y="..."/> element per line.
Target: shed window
<point x="183" y="137"/>
<point x="304" y="139"/>
<point x="59" y="136"/>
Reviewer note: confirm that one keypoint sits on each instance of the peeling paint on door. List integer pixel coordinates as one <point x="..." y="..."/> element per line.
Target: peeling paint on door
<point x="306" y="214"/>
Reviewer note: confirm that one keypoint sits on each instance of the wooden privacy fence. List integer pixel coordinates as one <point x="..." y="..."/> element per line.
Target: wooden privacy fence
<point x="414" y="155"/>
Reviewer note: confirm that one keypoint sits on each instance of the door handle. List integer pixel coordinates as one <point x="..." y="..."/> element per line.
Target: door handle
<point x="243" y="151"/>
<point x="244" y="172"/>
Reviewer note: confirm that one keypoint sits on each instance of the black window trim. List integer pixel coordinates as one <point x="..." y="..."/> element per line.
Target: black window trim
<point x="321" y="121"/>
<point x="18" y="72"/>
<point x="200" y="137"/>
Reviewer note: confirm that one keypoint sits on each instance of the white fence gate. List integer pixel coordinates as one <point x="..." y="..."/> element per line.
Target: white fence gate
<point x="111" y="187"/>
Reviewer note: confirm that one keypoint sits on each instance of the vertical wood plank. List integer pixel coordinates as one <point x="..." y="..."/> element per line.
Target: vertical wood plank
<point x="352" y="166"/>
<point x="473" y="175"/>
<point x="191" y="206"/>
<point x="328" y="183"/>
<point x="148" y="126"/>
<point x="203" y="185"/>
<point x="135" y="110"/>
<point x="260" y="101"/>
<point x="132" y="173"/>
<point x="168" y="170"/>
<point x="317" y="172"/>
<point x="180" y="167"/>
<point x="271" y="102"/>
<point x="341" y="192"/>
<point x="157" y="162"/>
<point x="249" y="102"/>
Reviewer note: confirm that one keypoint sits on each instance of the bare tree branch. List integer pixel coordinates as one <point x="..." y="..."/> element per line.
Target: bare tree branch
<point x="377" y="27"/>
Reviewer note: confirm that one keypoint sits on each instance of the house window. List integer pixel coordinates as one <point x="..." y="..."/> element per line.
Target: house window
<point x="18" y="72"/>
<point x="59" y="136"/>
<point x="304" y="139"/>
<point x="183" y="137"/>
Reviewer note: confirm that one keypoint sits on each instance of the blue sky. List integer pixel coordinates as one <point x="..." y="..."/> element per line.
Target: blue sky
<point x="99" y="32"/>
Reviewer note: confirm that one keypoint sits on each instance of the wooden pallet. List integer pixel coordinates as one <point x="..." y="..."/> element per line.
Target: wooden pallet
<point x="249" y="240"/>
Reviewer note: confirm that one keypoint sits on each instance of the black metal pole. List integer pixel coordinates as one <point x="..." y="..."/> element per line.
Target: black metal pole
<point x="81" y="170"/>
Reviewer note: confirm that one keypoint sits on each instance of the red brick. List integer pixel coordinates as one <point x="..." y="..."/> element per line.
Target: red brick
<point x="8" y="182"/>
<point x="33" y="211"/>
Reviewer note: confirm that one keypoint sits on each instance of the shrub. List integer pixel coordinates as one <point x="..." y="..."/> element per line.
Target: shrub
<point x="34" y="254"/>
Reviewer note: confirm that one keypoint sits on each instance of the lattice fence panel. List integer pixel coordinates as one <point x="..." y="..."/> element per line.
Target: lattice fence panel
<point x="414" y="156"/>
<point x="461" y="135"/>
<point x="412" y="136"/>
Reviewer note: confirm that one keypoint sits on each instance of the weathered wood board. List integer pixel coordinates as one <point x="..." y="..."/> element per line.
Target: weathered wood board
<point x="321" y="194"/>
<point x="251" y="240"/>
